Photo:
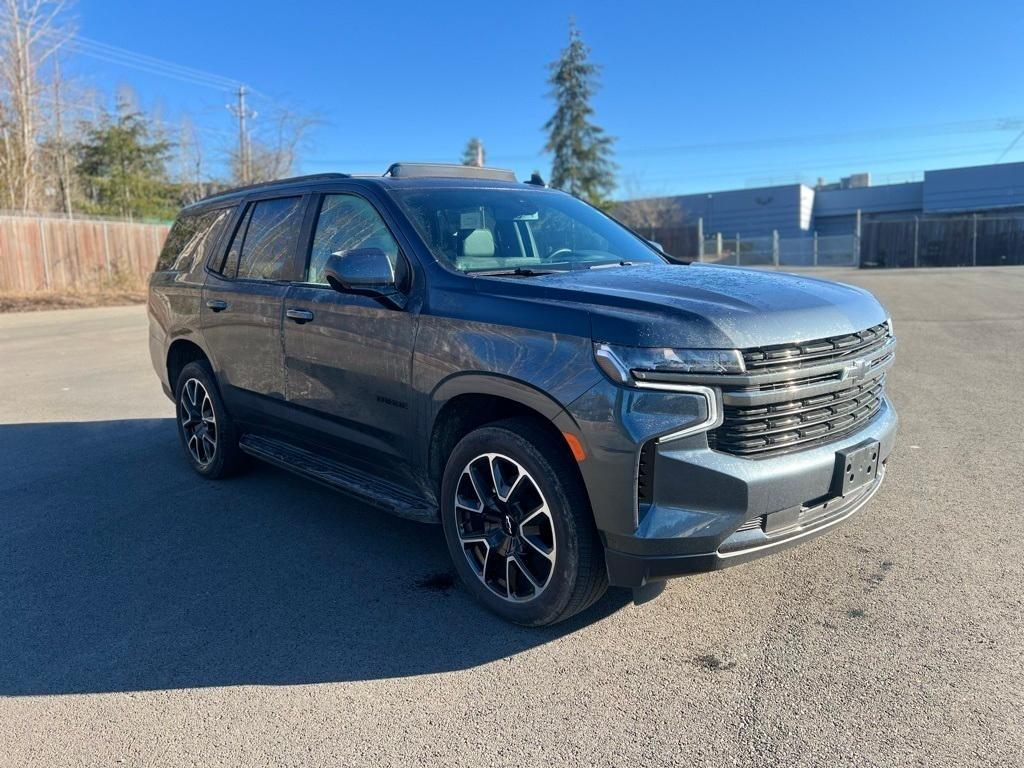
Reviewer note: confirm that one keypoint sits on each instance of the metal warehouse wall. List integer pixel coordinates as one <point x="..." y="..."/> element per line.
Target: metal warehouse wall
<point x="883" y="199"/>
<point x="750" y="212"/>
<point x="973" y="189"/>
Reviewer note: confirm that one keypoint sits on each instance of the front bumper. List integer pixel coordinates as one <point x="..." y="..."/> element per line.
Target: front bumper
<point x="709" y="509"/>
<point x="636" y="570"/>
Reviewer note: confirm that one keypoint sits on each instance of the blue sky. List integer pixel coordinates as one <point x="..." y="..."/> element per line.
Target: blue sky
<point x="701" y="96"/>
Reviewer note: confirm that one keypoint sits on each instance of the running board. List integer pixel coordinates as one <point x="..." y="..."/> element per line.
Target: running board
<point x="378" y="493"/>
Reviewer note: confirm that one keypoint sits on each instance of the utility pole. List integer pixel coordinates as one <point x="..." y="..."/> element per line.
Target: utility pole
<point x="240" y="111"/>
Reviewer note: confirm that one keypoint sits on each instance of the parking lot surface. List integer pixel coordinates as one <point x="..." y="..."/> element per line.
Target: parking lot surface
<point x="148" y="617"/>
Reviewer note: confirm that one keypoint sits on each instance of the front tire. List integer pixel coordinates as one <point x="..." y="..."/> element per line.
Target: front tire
<point x="518" y="524"/>
<point x="205" y="429"/>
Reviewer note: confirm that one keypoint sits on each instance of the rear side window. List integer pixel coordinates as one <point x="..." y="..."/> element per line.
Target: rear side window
<point x="264" y="242"/>
<point x="190" y="240"/>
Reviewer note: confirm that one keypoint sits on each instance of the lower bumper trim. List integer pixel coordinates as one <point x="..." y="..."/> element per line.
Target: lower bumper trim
<point x="632" y="570"/>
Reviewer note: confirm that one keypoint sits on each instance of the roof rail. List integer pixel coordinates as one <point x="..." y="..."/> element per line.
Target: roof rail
<point x="447" y="171"/>
<point x="275" y="183"/>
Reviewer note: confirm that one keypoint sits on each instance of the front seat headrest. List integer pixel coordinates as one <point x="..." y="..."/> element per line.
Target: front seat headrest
<point x="478" y="244"/>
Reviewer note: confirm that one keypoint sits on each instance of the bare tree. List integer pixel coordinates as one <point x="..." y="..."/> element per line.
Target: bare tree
<point x="190" y="158"/>
<point x="273" y="152"/>
<point x="646" y="215"/>
<point x="31" y="33"/>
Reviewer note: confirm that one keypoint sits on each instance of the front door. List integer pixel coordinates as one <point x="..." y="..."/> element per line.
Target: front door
<point x="348" y="357"/>
<point x="242" y="306"/>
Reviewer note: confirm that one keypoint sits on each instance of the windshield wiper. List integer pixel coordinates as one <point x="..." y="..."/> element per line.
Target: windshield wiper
<point x="518" y="272"/>
<point x="607" y="264"/>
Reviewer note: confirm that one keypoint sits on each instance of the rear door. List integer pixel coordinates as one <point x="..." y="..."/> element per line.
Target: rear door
<point x="348" y="357"/>
<point x="242" y="305"/>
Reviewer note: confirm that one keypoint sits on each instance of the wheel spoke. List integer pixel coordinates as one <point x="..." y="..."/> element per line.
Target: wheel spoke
<point x="208" y="409"/>
<point x="541" y="510"/>
<point x="521" y="567"/>
<point x="468" y="472"/>
<point x="508" y="578"/>
<point x="514" y="486"/>
<point x="549" y="555"/>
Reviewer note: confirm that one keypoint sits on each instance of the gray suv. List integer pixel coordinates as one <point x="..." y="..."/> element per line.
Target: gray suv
<point x="575" y="408"/>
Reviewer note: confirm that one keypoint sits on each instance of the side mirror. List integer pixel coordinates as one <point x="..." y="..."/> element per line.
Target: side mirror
<point x="657" y="245"/>
<point x="366" y="271"/>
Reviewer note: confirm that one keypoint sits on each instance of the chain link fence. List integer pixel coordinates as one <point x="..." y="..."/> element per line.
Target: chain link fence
<point x="947" y="241"/>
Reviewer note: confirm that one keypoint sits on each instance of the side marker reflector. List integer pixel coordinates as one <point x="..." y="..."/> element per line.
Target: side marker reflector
<point x="575" y="446"/>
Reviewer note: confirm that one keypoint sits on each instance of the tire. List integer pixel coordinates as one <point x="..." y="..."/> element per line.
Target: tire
<point x="523" y="541"/>
<point x="206" y="431"/>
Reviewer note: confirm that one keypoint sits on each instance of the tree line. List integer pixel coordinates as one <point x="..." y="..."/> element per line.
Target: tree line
<point x="65" y="150"/>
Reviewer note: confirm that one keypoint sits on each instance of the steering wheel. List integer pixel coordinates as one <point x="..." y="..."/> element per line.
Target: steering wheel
<point x="551" y="256"/>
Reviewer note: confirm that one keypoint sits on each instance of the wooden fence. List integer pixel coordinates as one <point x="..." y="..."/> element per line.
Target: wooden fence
<point x="45" y="253"/>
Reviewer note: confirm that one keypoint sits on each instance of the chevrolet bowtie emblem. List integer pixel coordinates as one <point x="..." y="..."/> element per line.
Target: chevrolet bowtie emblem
<point x="856" y="370"/>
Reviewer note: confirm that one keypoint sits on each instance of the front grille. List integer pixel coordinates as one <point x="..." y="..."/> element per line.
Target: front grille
<point x="645" y="474"/>
<point x="754" y="523"/>
<point x="766" y="429"/>
<point x="832" y="349"/>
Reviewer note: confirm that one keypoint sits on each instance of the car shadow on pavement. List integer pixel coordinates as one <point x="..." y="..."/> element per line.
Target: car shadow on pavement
<point x="121" y="570"/>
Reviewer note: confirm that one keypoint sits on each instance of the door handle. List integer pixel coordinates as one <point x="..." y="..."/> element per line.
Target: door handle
<point x="217" y="305"/>
<point x="300" y="316"/>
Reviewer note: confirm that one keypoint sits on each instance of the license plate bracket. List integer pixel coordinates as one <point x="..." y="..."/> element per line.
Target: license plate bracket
<point x="855" y="467"/>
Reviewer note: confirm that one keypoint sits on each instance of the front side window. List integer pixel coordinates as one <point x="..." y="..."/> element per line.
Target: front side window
<point x="347" y="223"/>
<point x="477" y="229"/>
<point x="264" y="242"/>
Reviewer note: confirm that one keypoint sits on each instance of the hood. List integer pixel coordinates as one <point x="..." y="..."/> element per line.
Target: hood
<point x="705" y="305"/>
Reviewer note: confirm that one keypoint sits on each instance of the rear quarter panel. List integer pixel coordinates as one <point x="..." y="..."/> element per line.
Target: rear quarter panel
<point x="173" y="308"/>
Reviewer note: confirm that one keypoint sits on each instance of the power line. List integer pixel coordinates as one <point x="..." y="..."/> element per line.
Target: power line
<point x="1013" y="143"/>
<point x="152" y="61"/>
<point x="910" y="131"/>
<point x="142" y="62"/>
<point x="783" y="172"/>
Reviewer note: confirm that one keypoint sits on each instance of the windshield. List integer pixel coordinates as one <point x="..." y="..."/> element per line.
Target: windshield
<point x="519" y="231"/>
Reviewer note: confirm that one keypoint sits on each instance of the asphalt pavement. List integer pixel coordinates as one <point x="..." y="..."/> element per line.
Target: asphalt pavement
<point x="148" y="617"/>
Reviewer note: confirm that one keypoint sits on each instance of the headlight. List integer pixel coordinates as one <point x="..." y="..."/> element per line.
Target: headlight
<point x="620" y="363"/>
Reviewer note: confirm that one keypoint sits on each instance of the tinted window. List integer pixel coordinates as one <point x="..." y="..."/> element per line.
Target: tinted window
<point x="345" y="223"/>
<point x="190" y="240"/>
<point x="475" y="229"/>
<point x="265" y="240"/>
<point x="230" y="267"/>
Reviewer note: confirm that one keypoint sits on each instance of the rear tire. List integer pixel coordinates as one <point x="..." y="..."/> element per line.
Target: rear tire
<point x="518" y="524"/>
<point x="206" y="431"/>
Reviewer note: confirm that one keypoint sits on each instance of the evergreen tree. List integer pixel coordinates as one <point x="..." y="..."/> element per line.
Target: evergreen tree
<point x="582" y="163"/>
<point x="122" y="167"/>
<point x="473" y="154"/>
